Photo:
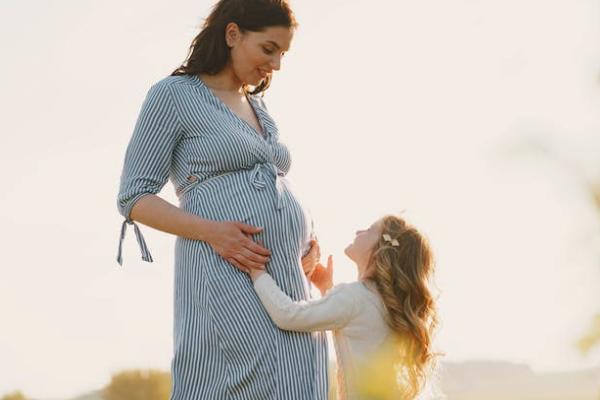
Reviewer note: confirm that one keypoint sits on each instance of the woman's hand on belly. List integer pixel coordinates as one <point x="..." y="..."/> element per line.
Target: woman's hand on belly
<point x="232" y="241"/>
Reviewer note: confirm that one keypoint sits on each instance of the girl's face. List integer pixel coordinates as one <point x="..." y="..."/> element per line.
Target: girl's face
<point x="359" y="251"/>
<point x="255" y="55"/>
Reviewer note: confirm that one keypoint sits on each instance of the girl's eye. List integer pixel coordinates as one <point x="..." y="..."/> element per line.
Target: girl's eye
<point x="267" y="51"/>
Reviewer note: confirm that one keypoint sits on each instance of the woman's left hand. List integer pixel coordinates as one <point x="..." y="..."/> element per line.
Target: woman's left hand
<point x="310" y="260"/>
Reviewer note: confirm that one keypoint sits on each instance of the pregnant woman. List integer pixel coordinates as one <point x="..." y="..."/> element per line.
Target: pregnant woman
<point x="206" y="131"/>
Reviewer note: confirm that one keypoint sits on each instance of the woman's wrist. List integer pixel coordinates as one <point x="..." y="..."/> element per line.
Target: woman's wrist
<point x="202" y="229"/>
<point x="159" y="214"/>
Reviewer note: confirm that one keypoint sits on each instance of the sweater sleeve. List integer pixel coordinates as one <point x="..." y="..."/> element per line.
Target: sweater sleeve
<point x="148" y="158"/>
<point x="331" y="312"/>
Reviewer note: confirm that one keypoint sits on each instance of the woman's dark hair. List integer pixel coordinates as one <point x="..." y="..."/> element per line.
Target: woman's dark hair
<point x="209" y="53"/>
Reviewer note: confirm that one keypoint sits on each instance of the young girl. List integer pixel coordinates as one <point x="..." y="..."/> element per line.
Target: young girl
<point x="390" y="303"/>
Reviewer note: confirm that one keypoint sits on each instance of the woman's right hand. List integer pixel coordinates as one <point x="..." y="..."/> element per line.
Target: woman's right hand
<point x="231" y="240"/>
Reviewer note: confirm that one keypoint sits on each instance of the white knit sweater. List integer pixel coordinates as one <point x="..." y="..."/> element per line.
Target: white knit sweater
<point x="354" y="312"/>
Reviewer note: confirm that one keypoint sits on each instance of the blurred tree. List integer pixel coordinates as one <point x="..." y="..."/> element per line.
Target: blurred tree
<point x="591" y="338"/>
<point x="14" y="396"/>
<point x="138" y="385"/>
<point x="591" y="186"/>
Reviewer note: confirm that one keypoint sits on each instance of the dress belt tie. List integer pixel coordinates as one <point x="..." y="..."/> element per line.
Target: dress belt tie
<point x="140" y="239"/>
<point x="258" y="178"/>
<point x="262" y="171"/>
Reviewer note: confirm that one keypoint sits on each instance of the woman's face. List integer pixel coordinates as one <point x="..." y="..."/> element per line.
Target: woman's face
<point x="255" y="55"/>
<point x="359" y="250"/>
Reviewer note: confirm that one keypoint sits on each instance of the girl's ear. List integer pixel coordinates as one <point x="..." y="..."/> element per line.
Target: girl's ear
<point x="232" y="34"/>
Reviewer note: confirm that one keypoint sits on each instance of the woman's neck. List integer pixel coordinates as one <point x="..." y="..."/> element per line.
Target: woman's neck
<point x="223" y="81"/>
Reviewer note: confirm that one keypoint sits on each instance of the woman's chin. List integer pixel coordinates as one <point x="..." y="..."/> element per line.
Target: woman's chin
<point x="254" y="81"/>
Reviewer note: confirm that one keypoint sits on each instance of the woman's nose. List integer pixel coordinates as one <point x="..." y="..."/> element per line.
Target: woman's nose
<point x="276" y="63"/>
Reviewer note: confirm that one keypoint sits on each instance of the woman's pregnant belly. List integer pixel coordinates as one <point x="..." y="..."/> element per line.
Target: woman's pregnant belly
<point x="249" y="341"/>
<point x="263" y="202"/>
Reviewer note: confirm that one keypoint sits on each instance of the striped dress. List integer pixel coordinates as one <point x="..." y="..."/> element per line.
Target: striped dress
<point x="225" y="344"/>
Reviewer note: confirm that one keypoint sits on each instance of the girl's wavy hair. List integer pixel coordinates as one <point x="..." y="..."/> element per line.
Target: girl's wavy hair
<point x="209" y="53"/>
<point x="402" y="275"/>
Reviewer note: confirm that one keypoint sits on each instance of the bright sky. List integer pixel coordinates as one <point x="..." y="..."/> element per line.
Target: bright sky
<point x="386" y="105"/>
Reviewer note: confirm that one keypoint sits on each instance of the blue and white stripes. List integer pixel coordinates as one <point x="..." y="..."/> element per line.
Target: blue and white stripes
<point x="146" y="256"/>
<point x="226" y="347"/>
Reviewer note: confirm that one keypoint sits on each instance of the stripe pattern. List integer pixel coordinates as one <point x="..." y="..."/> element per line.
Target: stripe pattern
<point x="225" y="345"/>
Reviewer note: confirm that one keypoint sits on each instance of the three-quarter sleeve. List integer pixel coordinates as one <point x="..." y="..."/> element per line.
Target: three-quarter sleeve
<point x="148" y="156"/>
<point x="331" y="312"/>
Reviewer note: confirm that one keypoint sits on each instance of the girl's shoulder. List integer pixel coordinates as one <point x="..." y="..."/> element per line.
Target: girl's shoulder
<point x="351" y="289"/>
<point x="362" y="293"/>
<point x="360" y="297"/>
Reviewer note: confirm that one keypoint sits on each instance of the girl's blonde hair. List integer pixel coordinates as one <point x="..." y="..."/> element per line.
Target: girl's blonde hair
<point x="403" y="266"/>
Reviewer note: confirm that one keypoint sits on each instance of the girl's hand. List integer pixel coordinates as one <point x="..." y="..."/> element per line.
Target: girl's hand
<point x="231" y="240"/>
<point x="311" y="259"/>
<point x="322" y="276"/>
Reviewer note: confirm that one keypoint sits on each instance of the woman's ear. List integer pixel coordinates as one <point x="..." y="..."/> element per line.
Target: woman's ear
<point x="232" y="34"/>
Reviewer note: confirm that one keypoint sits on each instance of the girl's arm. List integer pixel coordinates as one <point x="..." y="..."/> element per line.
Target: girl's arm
<point x="333" y="311"/>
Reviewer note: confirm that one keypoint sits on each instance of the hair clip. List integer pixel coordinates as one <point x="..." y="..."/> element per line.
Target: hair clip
<point x="388" y="238"/>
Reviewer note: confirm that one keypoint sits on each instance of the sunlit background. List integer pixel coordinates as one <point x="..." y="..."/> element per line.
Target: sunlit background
<point x="479" y="118"/>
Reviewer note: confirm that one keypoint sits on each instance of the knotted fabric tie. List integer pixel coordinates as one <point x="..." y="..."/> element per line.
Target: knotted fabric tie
<point x="140" y="239"/>
<point x="263" y="171"/>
